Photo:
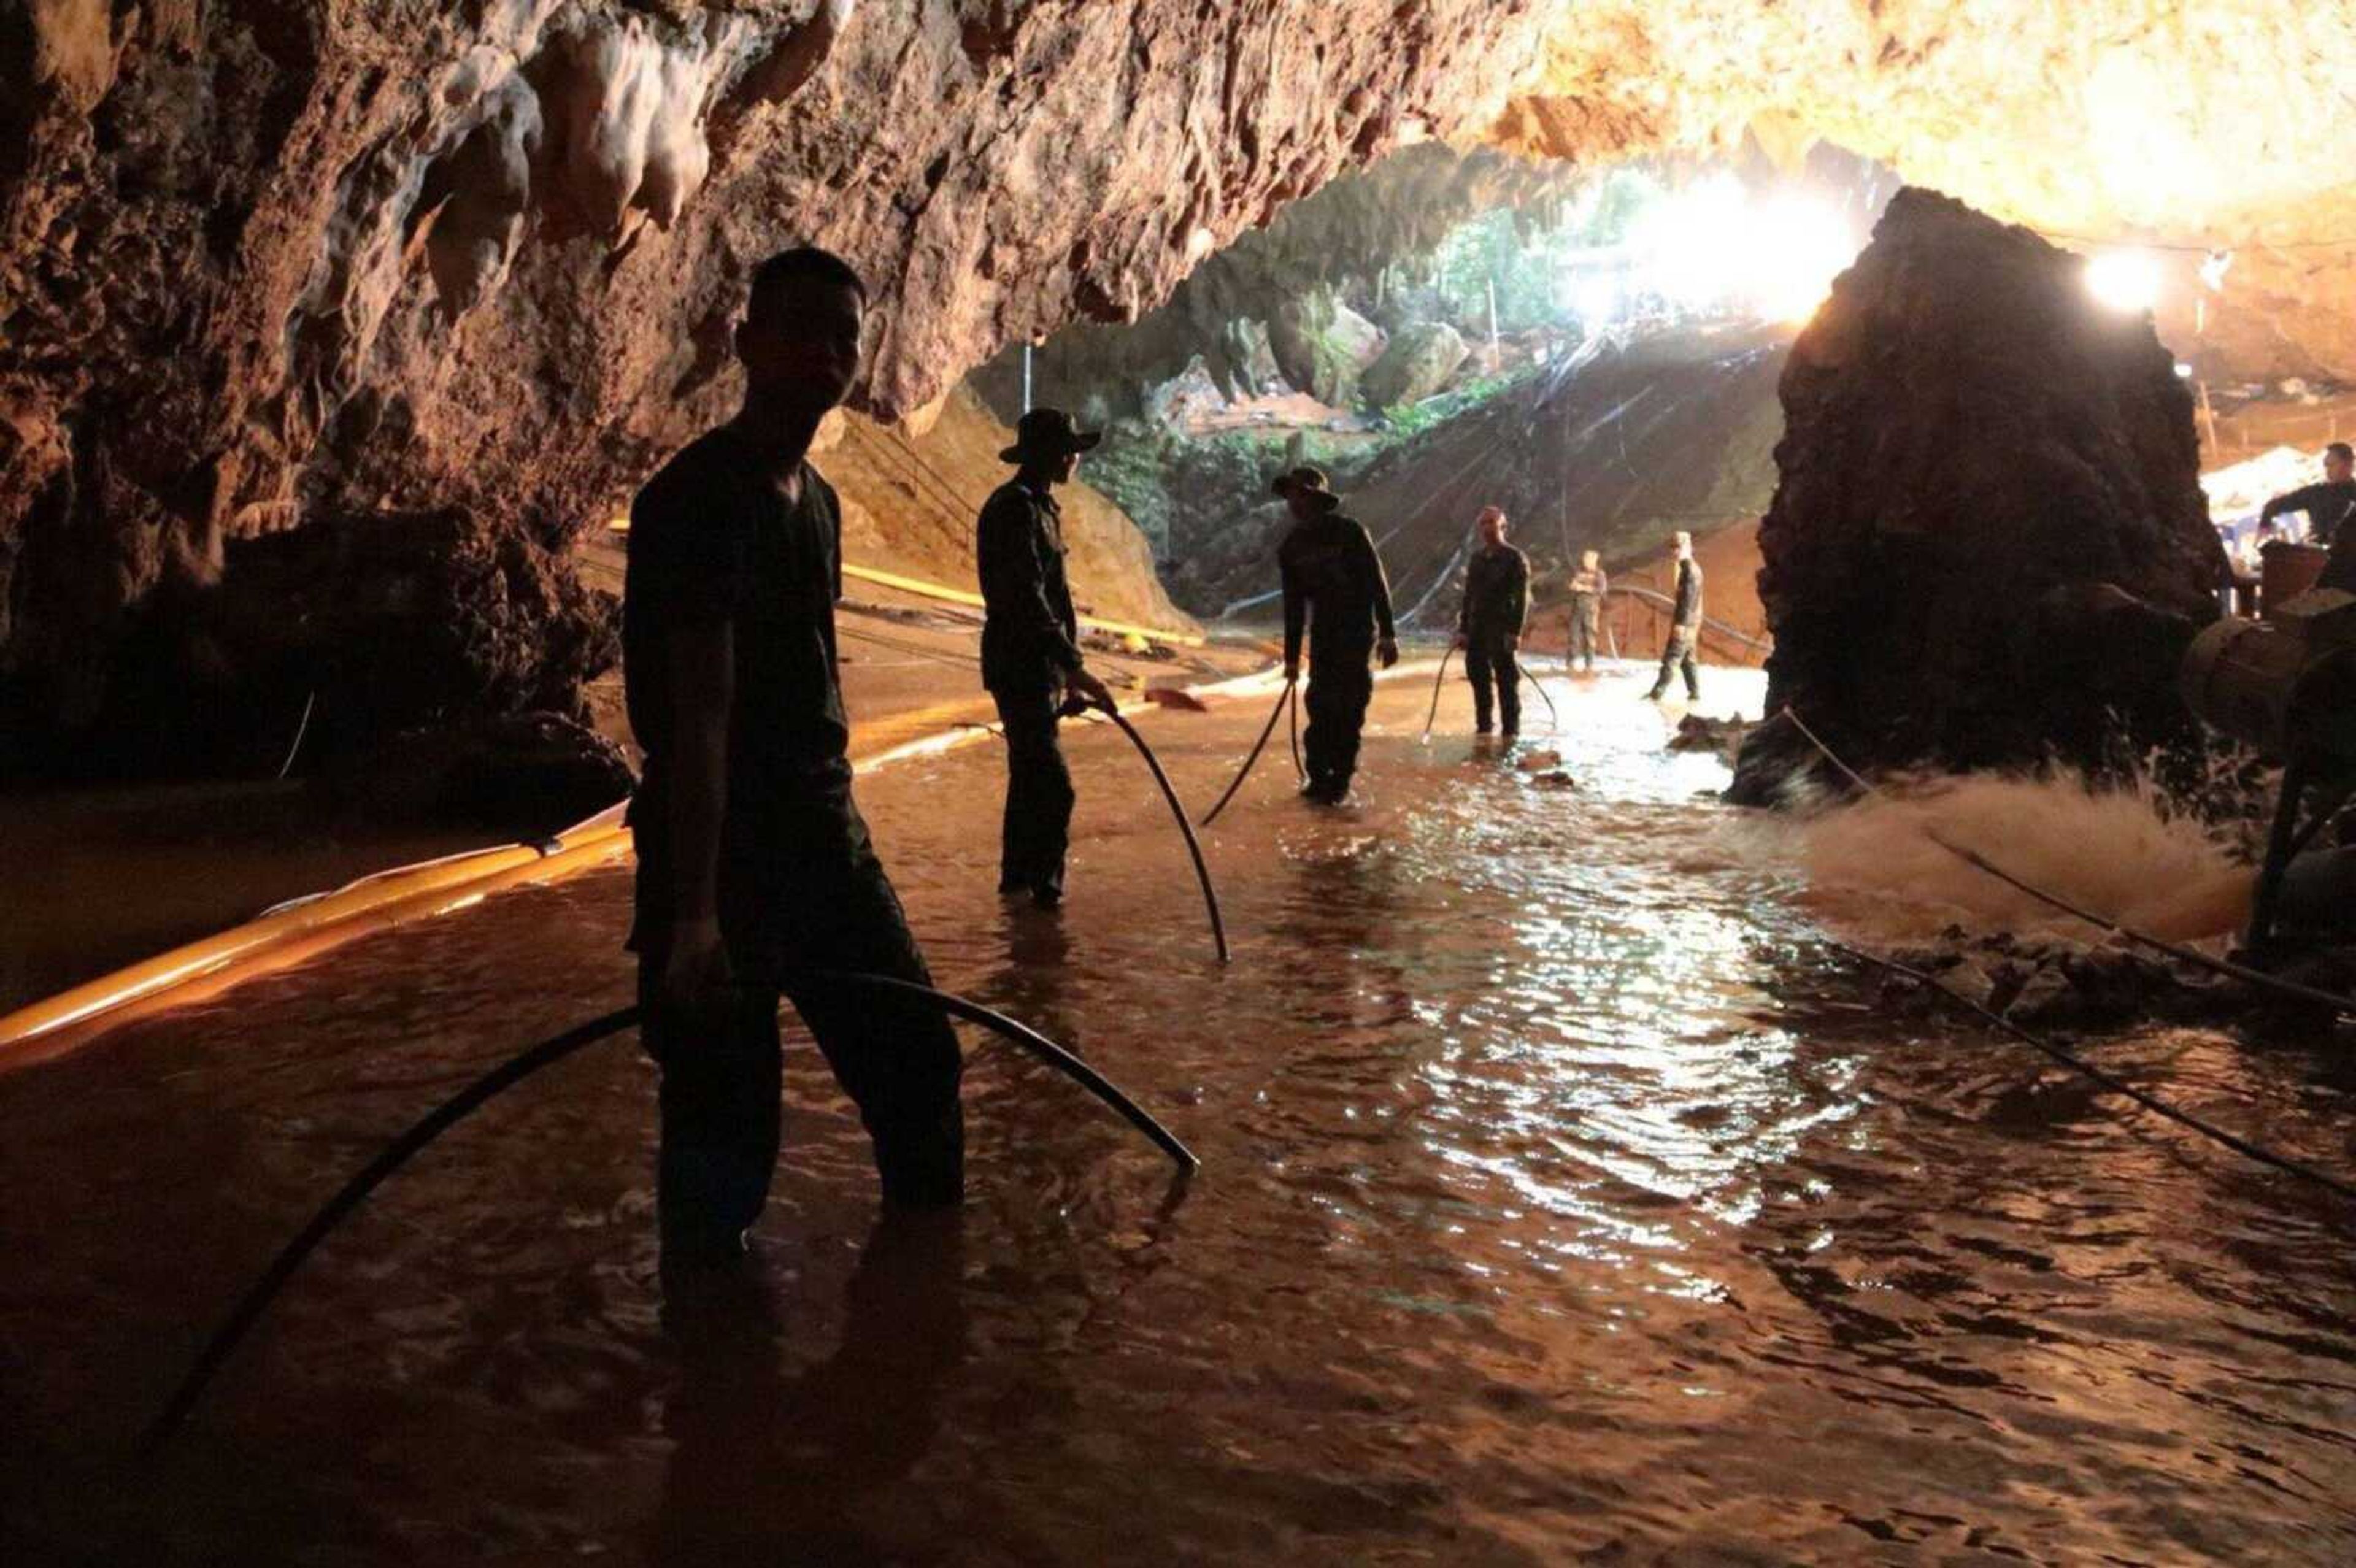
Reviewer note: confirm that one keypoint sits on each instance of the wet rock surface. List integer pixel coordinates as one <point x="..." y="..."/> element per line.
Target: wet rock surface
<point x="1969" y="444"/>
<point x="526" y="775"/>
<point x="263" y="264"/>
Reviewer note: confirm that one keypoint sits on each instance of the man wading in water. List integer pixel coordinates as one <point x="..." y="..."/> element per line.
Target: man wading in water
<point x="1332" y="579"/>
<point x="1489" y="626"/>
<point x="1685" y="628"/>
<point x="1030" y="650"/>
<point x="753" y="861"/>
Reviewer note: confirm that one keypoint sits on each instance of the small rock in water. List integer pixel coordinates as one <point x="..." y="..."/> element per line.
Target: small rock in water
<point x="1537" y="761"/>
<point x="1559" y="778"/>
<point x="1696" y="734"/>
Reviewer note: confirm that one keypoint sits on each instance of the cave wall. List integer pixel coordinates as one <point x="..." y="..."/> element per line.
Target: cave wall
<point x="1970" y="446"/>
<point x="267" y="263"/>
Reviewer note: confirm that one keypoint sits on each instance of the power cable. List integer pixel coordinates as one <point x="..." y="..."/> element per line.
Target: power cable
<point x="2111" y="1081"/>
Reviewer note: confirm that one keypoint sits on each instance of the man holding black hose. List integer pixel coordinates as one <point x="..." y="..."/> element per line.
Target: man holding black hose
<point x="752" y="859"/>
<point x="1030" y="650"/>
<point x="1335" y="590"/>
<point x="1489" y="626"/>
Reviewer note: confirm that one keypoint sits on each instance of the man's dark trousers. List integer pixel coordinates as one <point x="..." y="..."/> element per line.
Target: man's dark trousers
<point x="820" y="902"/>
<point x="1489" y="662"/>
<point x="1679" y="655"/>
<point x="1341" y="684"/>
<point x="1037" y="828"/>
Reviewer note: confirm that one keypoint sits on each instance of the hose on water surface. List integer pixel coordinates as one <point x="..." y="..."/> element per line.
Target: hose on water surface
<point x="1293" y="722"/>
<point x="1186" y="828"/>
<point x="258" y="1296"/>
<point x="1438" y="677"/>
<point x="1252" y="757"/>
<point x="1554" y="717"/>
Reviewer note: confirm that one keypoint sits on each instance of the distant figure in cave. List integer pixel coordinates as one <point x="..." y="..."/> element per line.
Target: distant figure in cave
<point x="1333" y="584"/>
<point x="1685" y="628"/>
<point x="752" y="856"/>
<point x="1588" y="586"/>
<point x="2327" y="505"/>
<point x="1489" y="625"/>
<point x="1030" y="650"/>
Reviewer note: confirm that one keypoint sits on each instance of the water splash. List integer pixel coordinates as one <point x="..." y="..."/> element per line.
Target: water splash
<point x="1874" y="869"/>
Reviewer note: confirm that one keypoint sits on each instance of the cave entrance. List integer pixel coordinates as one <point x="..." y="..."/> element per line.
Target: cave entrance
<point x="1595" y="351"/>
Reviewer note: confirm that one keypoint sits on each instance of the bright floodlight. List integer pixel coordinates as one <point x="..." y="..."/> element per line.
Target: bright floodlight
<point x="2124" y="280"/>
<point x="1715" y="246"/>
<point x="1796" y="247"/>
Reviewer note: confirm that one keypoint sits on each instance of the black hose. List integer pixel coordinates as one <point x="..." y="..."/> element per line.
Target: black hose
<point x="1554" y="717"/>
<point x="258" y="1296"/>
<point x="1186" y="828"/>
<point x="1438" y="677"/>
<point x="1292" y="708"/>
<point x="1245" y="771"/>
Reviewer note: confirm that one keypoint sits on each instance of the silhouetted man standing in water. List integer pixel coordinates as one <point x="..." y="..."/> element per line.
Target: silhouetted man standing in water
<point x="1334" y="581"/>
<point x="1489" y="626"/>
<point x="1685" y="628"/>
<point x="753" y="861"/>
<point x="1030" y="650"/>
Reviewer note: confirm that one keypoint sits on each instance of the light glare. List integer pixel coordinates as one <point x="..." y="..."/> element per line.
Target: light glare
<point x="2124" y="280"/>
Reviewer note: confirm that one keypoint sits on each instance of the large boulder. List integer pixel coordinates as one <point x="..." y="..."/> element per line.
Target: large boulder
<point x="1418" y="362"/>
<point x="1971" y="441"/>
<point x="1323" y="345"/>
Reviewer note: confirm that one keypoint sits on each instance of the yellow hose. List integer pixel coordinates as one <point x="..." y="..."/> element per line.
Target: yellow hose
<point x="941" y="591"/>
<point x="292" y="932"/>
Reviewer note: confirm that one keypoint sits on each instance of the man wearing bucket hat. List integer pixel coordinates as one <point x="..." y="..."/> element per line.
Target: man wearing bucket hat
<point x="1031" y="649"/>
<point x="1333" y="584"/>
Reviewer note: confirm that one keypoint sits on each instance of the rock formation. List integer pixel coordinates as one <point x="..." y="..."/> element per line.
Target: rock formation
<point x="1965" y="434"/>
<point x="1323" y="345"/>
<point x="1417" y="362"/>
<point x="279" y="263"/>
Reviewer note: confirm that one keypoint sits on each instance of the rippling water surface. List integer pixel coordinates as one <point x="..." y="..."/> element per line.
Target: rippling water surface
<point x="1563" y="1194"/>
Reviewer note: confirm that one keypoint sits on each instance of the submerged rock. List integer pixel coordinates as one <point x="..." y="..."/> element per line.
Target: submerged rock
<point x="1966" y="433"/>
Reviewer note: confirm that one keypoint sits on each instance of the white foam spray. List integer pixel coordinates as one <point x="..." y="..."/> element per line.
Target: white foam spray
<point x="1875" y="872"/>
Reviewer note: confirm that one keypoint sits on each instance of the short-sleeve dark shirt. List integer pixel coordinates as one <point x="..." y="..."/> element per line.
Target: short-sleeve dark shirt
<point x="713" y="539"/>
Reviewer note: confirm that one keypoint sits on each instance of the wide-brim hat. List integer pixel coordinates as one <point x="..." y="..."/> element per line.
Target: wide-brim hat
<point x="1310" y="482"/>
<point x="1048" y="432"/>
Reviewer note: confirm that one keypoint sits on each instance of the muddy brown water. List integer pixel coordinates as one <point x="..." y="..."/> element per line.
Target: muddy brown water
<point x="1562" y="1196"/>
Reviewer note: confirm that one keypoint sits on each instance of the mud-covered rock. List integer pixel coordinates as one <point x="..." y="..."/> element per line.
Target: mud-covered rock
<point x="1967" y="432"/>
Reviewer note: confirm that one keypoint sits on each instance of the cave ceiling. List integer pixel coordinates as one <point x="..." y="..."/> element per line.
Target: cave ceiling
<point x="267" y="261"/>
